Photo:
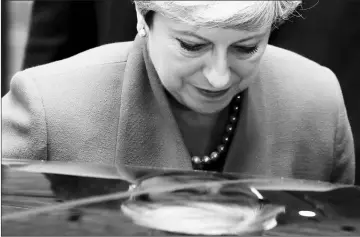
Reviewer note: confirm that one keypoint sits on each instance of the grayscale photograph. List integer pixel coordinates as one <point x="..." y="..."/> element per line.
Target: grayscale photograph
<point x="180" y="118"/>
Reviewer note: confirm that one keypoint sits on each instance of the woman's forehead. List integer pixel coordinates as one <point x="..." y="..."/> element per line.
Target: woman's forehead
<point x="210" y="10"/>
<point x="214" y="34"/>
<point x="207" y="3"/>
<point x="219" y="14"/>
<point x="246" y="15"/>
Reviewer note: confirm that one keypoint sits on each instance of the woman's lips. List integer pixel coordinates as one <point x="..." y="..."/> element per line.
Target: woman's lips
<point x="212" y="94"/>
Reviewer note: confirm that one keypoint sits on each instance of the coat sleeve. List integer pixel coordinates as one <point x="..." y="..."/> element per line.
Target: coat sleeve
<point x="24" y="134"/>
<point x="344" y="151"/>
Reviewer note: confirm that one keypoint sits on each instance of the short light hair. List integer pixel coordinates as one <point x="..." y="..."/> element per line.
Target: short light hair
<point x="247" y="15"/>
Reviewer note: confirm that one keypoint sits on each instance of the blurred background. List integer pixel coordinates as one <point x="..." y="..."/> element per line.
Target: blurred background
<point x="40" y="32"/>
<point x="18" y="18"/>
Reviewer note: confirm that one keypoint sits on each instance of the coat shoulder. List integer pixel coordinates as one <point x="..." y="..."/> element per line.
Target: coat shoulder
<point x="92" y="73"/>
<point x="300" y="94"/>
<point x="279" y="62"/>
<point x="79" y="99"/>
<point x="293" y="75"/>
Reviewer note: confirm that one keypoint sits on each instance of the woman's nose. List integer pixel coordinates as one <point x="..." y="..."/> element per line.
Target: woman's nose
<point x="217" y="71"/>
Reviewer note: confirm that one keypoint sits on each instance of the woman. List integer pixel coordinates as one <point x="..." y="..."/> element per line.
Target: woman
<point x="199" y="88"/>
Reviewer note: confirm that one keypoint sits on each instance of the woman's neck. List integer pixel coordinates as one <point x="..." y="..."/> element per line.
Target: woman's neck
<point x="201" y="132"/>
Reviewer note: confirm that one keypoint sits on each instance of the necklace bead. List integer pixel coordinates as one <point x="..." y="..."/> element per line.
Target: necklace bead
<point x="226" y="139"/>
<point x="206" y="159"/>
<point x="229" y="130"/>
<point x="221" y="149"/>
<point x="236" y="108"/>
<point x="196" y="160"/>
<point x="214" y="155"/>
<point x="233" y="119"/>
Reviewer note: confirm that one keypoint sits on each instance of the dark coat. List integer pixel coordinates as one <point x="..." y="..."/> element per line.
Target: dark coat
<point x="107" y="107"/>
<point x="328" y="34"/>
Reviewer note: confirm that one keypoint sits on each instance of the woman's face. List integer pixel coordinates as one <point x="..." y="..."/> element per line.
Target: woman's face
<point x="204" y="68"/>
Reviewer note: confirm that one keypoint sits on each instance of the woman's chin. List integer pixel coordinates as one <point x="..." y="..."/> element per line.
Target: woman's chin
<point x="200" y="105"/>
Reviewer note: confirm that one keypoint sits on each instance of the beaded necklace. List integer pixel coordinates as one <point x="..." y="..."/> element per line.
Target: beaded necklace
<point x="200" y="162"/>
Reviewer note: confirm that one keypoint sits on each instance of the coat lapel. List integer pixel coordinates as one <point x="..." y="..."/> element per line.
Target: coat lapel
<point x="148" y="134"/>
<point x="247" y="154"/>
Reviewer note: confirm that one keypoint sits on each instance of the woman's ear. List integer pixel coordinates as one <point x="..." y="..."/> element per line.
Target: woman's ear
<point x="141" y="26"/>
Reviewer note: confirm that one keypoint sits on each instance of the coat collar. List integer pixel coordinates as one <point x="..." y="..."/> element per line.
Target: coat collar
<point x="148" y="135"/>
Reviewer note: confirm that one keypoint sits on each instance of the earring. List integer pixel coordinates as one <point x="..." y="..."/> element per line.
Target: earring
<point x="142" y="32"/>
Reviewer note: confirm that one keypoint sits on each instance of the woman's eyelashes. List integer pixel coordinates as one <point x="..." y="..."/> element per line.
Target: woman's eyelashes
<point x="246" y="49"/>
<point x="196" y="47"/>
<point x="191" y="47"/>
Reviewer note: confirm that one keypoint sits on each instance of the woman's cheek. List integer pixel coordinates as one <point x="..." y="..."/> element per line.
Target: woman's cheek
<point x="178" y="74"/>
<point x="171" y="77"/>
<point x="243" y="70"/>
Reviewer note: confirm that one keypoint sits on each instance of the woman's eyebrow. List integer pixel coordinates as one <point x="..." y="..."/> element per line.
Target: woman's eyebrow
<point x="256" y="36"/>
<point x="189" y="33"/>
<point x="192" y="34"/>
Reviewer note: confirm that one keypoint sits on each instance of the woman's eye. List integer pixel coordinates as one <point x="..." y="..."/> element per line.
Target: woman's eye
<point x="191" y="47"/>
<point x="246" y="50"/>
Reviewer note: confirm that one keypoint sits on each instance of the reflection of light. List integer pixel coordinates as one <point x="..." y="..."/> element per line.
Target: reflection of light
<point x="307" y="213"/>
<point x="256" y="193"/>
<point x="132" y="187"/>
<point x="270" y="224"/>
